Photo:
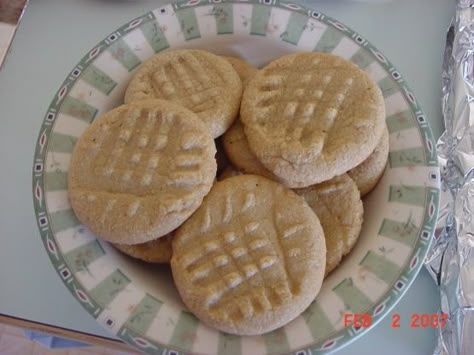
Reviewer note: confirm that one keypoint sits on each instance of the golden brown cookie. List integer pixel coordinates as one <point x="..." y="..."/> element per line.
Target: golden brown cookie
<point x="339" y="208"/>
<point x="237" y="150"/>
<point x="251" y="258"/>
<point x="245" y="70"/>
<point x="203" y="82"/>
<point x="368" y="174"/>
<point x="141" y="170"/>
<point x="155" y="251"/>
<point x="311" y="116"/>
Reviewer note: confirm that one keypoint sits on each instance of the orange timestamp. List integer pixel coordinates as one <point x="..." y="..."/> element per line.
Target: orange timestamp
<point x="424" y="320"/>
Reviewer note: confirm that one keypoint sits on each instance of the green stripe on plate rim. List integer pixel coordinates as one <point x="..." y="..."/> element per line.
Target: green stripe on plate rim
<point x="295" y="27"/>
<point x="259" y="20"/>
<point x="329" y="40"/>
<point x="55" y="181"/>
<point x="188" y="23"/>
<point x="124" y="54"/>
<point x="400" y="121"/>
<point x="154" y="36"/>
<point x="62" y="220"/>
<point x="48" y="124"/>
<point x="229" y="344"/>
<point x="81" y="257"/>
<point x="143" y="314"/>
<point x="354" y="299"/>
<point x="388" y="86"/>
<point x="98" y="79"/>
<point x="222" y="12"/>
<point x="277" y="341"/>
<point x="185" y="331"/>
<point x="317" y="321"/>
<point x="402" y="232"/>
<point x="362" y="58"/>
<point x="407" y="194"/>
<point x="407" y="157"/>
<point x="78" y="109"/>
<point x="380" y="266"/>
<point x="61" y="143"/>
<point x="109" y="288"/>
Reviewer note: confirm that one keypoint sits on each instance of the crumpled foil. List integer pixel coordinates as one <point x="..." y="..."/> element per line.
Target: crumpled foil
<point x="451" y="257"/>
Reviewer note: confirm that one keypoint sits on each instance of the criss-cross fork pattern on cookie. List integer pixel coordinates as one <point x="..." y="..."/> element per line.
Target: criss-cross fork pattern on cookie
<point x="308" y="101"/>
<point x="139" y="156"/>
<point x="140" y="170"/>
<point x="243" y="270"/>
<point x="141" y="146"/>
<point x="188" y="81"/>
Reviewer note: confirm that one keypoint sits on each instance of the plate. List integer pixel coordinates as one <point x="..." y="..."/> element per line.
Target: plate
<point x="138" y="302"/>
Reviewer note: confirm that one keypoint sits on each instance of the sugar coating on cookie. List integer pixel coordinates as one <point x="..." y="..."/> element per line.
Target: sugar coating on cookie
<point x="238" y="151"/>
<point x="141" y="170"/>
<point x="311" y="116"/>
<point x="155" y="251"/>
<point x="198" y="80"/>
<point x="245" y="70"/>
<point x="368" y="173"/>
<point x="251" y="258"/>
<point x="340" y="210"/>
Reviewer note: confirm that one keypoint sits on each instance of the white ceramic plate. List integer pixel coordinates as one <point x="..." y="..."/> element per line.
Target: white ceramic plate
<point x="138" y="302"/>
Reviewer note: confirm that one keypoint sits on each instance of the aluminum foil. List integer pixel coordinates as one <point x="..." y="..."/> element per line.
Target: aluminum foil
<point x="451" y="258"/>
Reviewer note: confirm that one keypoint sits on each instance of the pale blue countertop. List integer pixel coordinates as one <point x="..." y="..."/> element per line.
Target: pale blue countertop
<point x="55" y="34"/>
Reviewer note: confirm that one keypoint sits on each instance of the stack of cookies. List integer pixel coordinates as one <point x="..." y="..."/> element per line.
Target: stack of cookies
<point x="248" y="182"/>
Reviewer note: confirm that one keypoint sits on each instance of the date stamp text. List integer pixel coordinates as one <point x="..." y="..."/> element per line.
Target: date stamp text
<point x="364" y="320"/>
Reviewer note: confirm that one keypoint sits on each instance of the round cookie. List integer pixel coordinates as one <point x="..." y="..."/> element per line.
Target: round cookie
<point x="238" y="151"/>
<point x="340" y="210"/>
<point x="368" y="174"/>
<point x="198" y="80"/>
<point x="251" y="258"/>
<point x="311" y="116"/>
<point x="155" y="251"/>
<point x="140" y="170"/>
<point x="245" y="70"/>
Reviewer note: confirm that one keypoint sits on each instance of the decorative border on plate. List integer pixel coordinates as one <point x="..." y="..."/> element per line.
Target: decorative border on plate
<point x="343" y="337"/>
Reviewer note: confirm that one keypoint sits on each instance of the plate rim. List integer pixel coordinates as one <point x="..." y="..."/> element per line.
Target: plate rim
<point x="42" y="142"/>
